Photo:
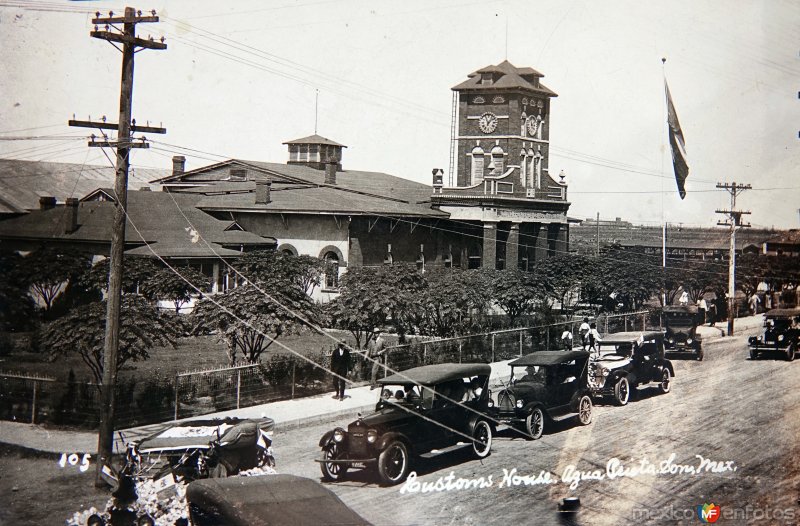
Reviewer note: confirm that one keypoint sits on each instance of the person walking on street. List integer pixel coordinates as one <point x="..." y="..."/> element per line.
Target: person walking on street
<point x="684" y="299"/>
<point x="375" y="348"/>
<point x="754" y="301"/>
<point x="566" y="339"/>
<point x="583" y="330"/>
<point x="702" y="307"/>
<point x="593" y="337"/>
<point x="340" y="364"/>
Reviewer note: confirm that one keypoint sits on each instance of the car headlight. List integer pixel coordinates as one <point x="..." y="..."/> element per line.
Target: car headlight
<point x="689" y="341"/>
<point x="372" y="436"/>
<point x="760" y="338"/>
<point x="672" y="340"/>
<point x="780" y="337"/>
<point x="491" y="403"/>
<point x="338" y="435"/>
<point x="520" y="403"/>
<point x="605" y="371"/>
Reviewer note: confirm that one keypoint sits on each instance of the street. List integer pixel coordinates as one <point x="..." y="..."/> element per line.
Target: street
<point x="726" y="434"/>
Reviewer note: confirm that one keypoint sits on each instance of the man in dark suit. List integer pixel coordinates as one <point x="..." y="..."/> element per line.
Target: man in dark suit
<point x="340" y="364"/>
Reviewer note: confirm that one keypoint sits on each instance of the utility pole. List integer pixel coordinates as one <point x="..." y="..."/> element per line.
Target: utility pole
<point x="734" y="220"/>
<point x="127" y="37"/>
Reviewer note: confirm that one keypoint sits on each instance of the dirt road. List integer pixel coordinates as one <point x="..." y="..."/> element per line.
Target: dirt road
<point x="734" y="422"/>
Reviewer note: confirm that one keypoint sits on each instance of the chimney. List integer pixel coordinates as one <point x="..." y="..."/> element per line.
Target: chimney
<point x="178" y="164"/>
<point x="263" y="191"/>
<point x="46" y="202"/>
<point x="71" y="222"/>
<point x="330" y="171"/>
<point x="438" y="180"/>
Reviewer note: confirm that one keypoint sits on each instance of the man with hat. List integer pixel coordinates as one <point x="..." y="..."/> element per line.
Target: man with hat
<point x="340" y="363"/>
<point x="375" y="348"/>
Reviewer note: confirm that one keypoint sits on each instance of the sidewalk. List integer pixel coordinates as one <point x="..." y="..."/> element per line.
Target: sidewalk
<point x="287" y="414"/>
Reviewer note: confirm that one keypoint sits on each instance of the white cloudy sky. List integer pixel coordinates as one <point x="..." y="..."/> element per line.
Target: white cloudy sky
<point x="238" y="79"/>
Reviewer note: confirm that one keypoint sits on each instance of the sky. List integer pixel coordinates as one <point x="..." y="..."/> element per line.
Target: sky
<point x="240" y="78"/>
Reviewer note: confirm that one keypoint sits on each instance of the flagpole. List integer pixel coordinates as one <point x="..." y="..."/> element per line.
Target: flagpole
<point x="663" y="220"/>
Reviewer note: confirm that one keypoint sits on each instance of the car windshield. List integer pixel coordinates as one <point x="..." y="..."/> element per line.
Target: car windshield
<point x="680" y="320"/>
<point x="530" y="374"/>
<point x="547" y="375"/>
<point x="620" y="349"/>
<point x="777" y="323"/>
<point x="407" y="394"/>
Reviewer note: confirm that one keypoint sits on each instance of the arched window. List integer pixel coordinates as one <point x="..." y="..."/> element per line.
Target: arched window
<point x="331" y="270"/>
<point x="531" y="168"/>
<point x="523" y="119"/>
<point x="538" y="170"/>
<point x="287" y="249"/>
<point x="540" y="125"/>
<point x="523" y="167"/>
<point x="477" y="165"/>
<point x="498" y="159"/>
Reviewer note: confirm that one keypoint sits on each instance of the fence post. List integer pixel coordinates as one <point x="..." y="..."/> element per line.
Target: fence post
<point x="385" y="360"/>
<point x="33" y="405"/>
<point x="424" y="353"/>
<point x="238" y="386"/>
<point x="459" y="352"/>
<point x="521" y="336"/>
<point x="625" y="321"/>
<point x="606" y="325"/>
<point x="176" y="395"/>
<point x="644" y="321"/>
<point x="493" y="347"/>
<point x="547" y="342"/>
<point x="294" y="365"/>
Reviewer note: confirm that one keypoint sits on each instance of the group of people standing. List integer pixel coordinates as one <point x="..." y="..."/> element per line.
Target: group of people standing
<point x="588" y="333"/>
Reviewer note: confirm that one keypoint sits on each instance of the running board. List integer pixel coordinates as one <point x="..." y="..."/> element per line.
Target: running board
<point x="437" y="452"/>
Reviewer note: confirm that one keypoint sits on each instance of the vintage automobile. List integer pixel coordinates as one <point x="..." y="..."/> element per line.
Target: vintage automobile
<point x="781" y="334"/>
<point x="625" y="360"/>
<point x="550" y="384"/>
<point x="265" y="501"/>
<point x="680" y="330"/>
<point x="421" y="412"/>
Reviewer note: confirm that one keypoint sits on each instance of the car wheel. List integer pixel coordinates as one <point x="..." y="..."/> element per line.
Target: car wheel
<point x="585" y="411"/>
<point x="332" y="471"/>
<point x="482" y="439"/>
<point x="753" y="354"/>
<point x="622" y="391"/>
<point x="393" y="463"/>
<point x="664" y="386"/>
<point x="534" y="424"/>
<point x="790" y="352"/>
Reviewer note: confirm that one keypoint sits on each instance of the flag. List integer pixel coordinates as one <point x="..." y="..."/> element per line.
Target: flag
<point x="679" y="164"/>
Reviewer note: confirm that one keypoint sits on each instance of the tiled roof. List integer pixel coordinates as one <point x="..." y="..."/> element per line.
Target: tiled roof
<point x="315" y="139"/>
<point x="510" y="77"/>
<point x="158" y="216"/>
<point x="23" y="182"/>
<point x="792" y="237"/>
<point x="301" y="188"/>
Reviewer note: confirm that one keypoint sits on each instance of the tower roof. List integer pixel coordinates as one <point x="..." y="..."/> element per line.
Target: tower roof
<point x="505" y="76"/>
<point x="315" y="139"/>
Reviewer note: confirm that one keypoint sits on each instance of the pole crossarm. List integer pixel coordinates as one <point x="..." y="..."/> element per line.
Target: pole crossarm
<point x="127" y="39"/>
<point x="135" y="19"/>
<point x="117" y="144"/>
<point x="114" y="126"/>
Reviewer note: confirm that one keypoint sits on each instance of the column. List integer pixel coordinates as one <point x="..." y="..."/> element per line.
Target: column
<point x="541" y="242"/>
<point x="489" y="257"/>
<point x="512" y="247"/>
<point x="562" y="241"/>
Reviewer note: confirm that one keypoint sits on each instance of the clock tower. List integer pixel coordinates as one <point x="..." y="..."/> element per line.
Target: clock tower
<point x="500" y="156"/>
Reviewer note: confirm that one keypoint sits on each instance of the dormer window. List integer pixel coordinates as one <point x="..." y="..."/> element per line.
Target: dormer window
<point x="486" y="78"/>
<point x="238" y="174"/>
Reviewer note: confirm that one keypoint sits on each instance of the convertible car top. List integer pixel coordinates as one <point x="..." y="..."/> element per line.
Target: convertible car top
<point x="435" y="374"/>
<point x="266" y="501"/>
<point x="549" y="358"/>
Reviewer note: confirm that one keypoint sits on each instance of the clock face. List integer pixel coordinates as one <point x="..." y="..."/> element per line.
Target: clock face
<point x="487" y="122"/>
<point x="532" y="124"/>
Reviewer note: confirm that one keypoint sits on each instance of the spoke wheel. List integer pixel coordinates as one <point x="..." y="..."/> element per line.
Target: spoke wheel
<point x="622" y="391"/>
<point x="332" y="471"/>
<point x="534" y="424"/>
<point x="753" y="354"/>
<point x="790" y="352"/>
<point x="393" y="463"/>
<point x="585" y="411"/>
<point x="482" y="439"/>
<point x="664" y="386"/>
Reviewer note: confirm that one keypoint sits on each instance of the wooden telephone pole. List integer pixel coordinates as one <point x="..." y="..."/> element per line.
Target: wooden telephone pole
<point x="734" y="220"/>
<point x="127" y="37"/>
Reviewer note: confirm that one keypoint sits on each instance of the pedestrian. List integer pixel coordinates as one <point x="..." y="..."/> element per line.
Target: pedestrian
<point x="593" y="337"/>
<point x="566" y="339"/>
<point x="754" y="301"/>
<point x="702" y="307"/>
<point x="340" y="364"/>
<point x="583" y="330"/>
<point x="684" y="299"/>
<point x="375" y="348"/>
<point x="712" y="313"/>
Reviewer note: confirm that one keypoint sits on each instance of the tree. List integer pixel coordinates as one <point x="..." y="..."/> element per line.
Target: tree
<point x="250" y="317"/>
<point x="516" y="292"/>
<point x="449" y="300"/>
<point x="177" y="288"/>
<point x="17" y="309"/>
<point x="82" y="332"/>
<point x="371" y="296"/>
<point x="48" y="270"/>
<point x="305" y="272"/>
<point x="562" y="277"/>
